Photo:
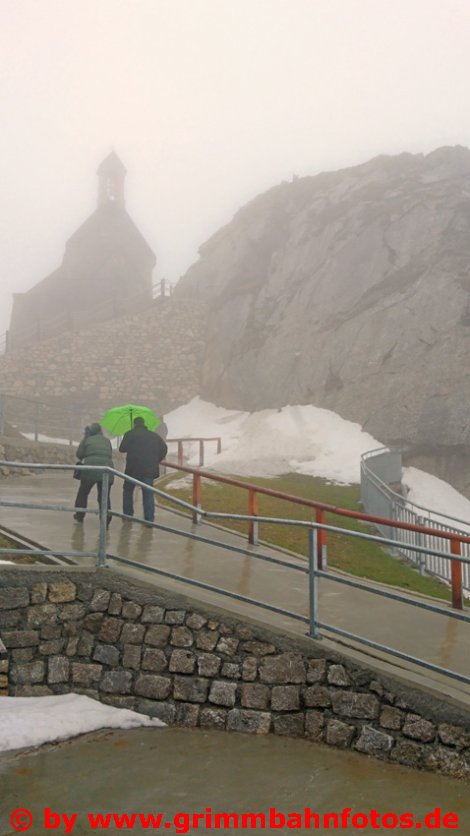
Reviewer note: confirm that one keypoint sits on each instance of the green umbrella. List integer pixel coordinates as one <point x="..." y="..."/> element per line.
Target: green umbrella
<point x="120" y="419"/>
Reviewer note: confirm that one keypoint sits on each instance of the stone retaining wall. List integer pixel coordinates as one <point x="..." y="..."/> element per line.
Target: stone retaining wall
<point x="154" y="357"/>
<point x="131" y="645"/>
<point x="21" y="450"/>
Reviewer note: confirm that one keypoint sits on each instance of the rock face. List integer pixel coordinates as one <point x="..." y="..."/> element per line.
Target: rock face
<point x="351" y="291"/>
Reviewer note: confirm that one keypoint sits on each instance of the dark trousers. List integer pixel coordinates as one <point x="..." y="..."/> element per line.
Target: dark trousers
<point x="82" y="496"/>
<point x="147" y="498"/>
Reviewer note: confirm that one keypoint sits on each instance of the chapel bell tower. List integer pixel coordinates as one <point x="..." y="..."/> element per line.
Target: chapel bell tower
<point x="111" y="175"/>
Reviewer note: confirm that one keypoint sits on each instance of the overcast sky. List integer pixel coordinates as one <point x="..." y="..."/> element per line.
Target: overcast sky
<point x="208" y="103"/>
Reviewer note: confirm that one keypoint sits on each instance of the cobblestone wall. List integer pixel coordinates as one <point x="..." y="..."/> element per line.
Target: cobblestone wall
<point x="131" y="645"/>
<point x="154" y="357"/>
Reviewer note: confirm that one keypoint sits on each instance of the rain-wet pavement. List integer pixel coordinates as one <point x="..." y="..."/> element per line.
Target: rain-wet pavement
<point x="183" y="771"/>
<point x="435" y="638"/>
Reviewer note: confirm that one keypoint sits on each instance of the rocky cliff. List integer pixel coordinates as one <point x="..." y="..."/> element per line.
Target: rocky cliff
<point x="349" y="290"/>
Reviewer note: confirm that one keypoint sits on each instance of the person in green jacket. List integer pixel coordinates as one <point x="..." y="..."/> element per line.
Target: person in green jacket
<point x="94" y="449"/>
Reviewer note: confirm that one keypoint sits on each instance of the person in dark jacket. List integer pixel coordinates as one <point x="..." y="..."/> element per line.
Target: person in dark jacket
<point x="94" y="449"/>
<point x="145" y="450"/>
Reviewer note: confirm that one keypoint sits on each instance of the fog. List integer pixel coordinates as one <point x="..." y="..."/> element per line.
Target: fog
<point x="207" y="102"/>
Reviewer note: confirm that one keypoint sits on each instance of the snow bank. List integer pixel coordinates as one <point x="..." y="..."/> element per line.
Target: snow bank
<point x="300" y="439"/>
<point x="32" y="721"/>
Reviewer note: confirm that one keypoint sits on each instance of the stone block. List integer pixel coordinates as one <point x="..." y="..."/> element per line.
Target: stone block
<point x="374" y="742"/>
<point x="61" y="592"/>
<point x="350" y="704"/>
<point x="28" y="673"/>
<point x="152" y="686"/>
<point x="250" y="722"/>
<point x="314" y="725"/>
<point x="72" y="612"/>
<point x="290" y="725"/>
<point x="110" y="629"/>
<point x="58" y="669"/>
<point x="86" y="675"/>
<point x="213" y="718"/>
<point x="181" y="637"/>
<point x="419" y="729"/>
<point x="190" y="689"/>
<point x="227" y="646"/>
<point x="339" y="734"/>
<point x="22" y="654"/>
<point x="20" y="638"/>
<point x="52" y="647"/>
<point x="249" y="669"/>
<point x="244" y="633"/>
<point x="223" y="693"/>
<point x="115" y="604"/>
<point x="157" y="635"/>
<point x="408" y="753"/>
<point x="100" y="600"/>
<point x="131" y="610"/>
<point x="154" y="660"/>
<point x="51" y="631"/>
<point x="85" y="644"/>
<point x="3" y="681"/>
<point x="116" y="682"/>
<point x="118" y="700"/>
<point x="285" y="698"/>
<point x="72" y="646"/>
<point x="208" y="664"/>
<point x="231" y="670"/>
<point x="255" y="695"/>
<point x="206" y="639"/>
<point x="12" y="597"/>
<point x="376" y="688"/>
<point x="448" y="762"/>
<point x="132" y="633"/>
<point x="10" y="618"/>
<point x="454" y="736"/>
<point x="391" y="718"/>
<point x="316" y="671"/>
<point x="316" y="696"/>
<point x="182" y="661"/>
<point x="131" y="656"/>
<point x="153" y="614"/>
<point x="225" y="629"/>
<point x="41" y="614"/>
<point x="283" y="670"/>
<point x="107" y="654"/>
<point x="31" y="691"/>
<point x="195" y="621"/>
<point x="39" y="593"/>
<point x="175" y="617"/>
<point x="84" y="591"/>
<point x="338" y="676"/>
<point x="93" y="622"/>
<point x="187" y="714"/>
<point x="257" y="648"/>
<point x="166" y="712"/>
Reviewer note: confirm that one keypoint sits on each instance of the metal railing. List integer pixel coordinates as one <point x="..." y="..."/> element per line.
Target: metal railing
<point x="191" y="441"/>
<point x="313" y="569"/>
<point x="377" y="494"/>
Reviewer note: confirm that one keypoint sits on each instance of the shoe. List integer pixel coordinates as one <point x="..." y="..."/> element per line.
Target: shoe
<point x="78" y="518"/>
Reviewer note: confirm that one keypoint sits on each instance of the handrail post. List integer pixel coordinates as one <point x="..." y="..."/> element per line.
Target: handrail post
<point x="103" y="519"/>
<point x="201" y="452"/>
<point x="197" y="491"/>
<point x="456" y="576"/>
<point x="321" y="537"/>
<point x="312" y="582"/>
<point x="180" y="452"/>
<point x="253" y="512"/>
<point x="219" y="445"/>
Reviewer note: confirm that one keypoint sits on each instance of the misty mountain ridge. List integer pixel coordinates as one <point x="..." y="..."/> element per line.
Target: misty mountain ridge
<point x="349" y="290"/>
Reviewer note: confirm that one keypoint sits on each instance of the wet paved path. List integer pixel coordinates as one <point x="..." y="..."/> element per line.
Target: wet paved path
<point x="437" y="639"/>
